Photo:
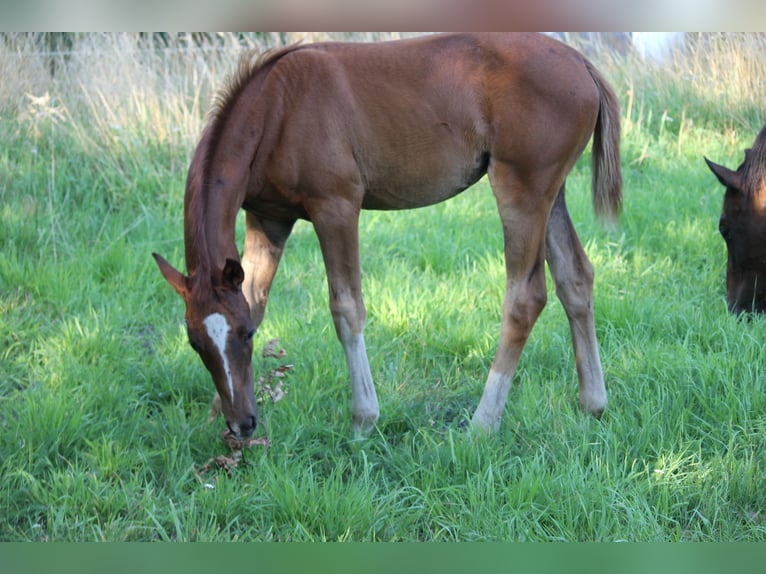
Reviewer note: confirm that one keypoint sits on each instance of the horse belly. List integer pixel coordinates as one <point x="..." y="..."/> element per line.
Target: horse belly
<point x="418" y="181"/>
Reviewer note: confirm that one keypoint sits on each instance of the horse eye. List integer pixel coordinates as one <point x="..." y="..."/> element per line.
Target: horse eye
<point x="249" y="336"/>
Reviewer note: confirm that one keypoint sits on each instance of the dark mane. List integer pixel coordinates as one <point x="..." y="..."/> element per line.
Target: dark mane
<point x="251" y="64"/>
<point x="755" y="164"/>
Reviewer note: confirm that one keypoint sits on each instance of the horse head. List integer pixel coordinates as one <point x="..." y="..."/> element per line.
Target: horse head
<point x="743" y="226"/>
<point x="221" y="331"/>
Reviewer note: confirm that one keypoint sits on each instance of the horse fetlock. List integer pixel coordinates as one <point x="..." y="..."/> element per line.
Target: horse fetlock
<point x="593" y="403"/>
<point x="363" y="423"/>
<point x="484" y="422"/>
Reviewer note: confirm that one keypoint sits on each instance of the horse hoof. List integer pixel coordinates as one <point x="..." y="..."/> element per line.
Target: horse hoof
<point x="363" y="428"/>
<point x="484" y="424"/>
<point x="594" y="407"/>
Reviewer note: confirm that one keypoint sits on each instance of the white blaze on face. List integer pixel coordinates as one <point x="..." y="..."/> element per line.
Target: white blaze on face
<point x="217" y="329"/>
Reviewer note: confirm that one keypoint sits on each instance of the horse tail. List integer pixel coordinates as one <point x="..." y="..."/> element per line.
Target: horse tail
<point x="605" y="155"/>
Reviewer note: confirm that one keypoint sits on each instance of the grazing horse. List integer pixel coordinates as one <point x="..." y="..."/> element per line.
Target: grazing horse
<point x="321" y="131"/>
<point x="743" y="227"/>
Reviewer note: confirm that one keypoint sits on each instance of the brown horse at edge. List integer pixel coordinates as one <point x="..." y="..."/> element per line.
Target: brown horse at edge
<point x="321" y="131"/>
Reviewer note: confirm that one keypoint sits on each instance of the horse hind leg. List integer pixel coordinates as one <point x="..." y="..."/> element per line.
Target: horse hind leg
<point x="573" y="278"/>
<point x="524" y="211"/>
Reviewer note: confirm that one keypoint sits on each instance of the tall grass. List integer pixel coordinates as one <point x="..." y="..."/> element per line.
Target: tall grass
<point x="103" y="406"/>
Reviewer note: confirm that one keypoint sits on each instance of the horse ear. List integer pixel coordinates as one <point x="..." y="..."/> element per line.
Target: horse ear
<point x="727" y="177"/>
<point x="233" y="275"/>
<point x="176" y="279"/>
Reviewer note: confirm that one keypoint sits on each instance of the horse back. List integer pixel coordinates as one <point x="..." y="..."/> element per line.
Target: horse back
<point x="410" y="123"/>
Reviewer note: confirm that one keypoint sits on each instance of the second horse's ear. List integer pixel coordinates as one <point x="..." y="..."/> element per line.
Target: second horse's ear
<point x="728" y="178"/>
<point x="177" y="280"/>
<point x="233" y="275"/>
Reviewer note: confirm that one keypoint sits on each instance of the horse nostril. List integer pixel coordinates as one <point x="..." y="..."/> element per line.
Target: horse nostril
<point x="247" y="427"/>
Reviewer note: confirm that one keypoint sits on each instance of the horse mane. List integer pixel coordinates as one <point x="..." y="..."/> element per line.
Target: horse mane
<point x="251" y="65"/>
<point x="754" y="166"/>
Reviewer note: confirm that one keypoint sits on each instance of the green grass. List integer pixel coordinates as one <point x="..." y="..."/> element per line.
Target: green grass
<point x="103" y="405"/>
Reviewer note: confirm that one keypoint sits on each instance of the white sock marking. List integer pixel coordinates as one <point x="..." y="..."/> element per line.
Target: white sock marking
<point x="217" y="329"/>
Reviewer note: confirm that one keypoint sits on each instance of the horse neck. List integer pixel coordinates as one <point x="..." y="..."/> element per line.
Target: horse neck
<point x="219" y="175"/>
<point x="210" y="213"/>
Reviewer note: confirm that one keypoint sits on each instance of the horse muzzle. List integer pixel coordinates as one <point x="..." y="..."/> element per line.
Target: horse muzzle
<point x="243" y="428"/>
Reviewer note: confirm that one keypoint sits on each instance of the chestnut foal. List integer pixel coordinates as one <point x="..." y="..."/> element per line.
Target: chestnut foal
<point x="322" y="131"/>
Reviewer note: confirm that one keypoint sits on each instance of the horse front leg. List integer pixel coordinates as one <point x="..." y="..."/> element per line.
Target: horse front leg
<point x="573" y="277"/>
<point x="336" y="225"/>
<point x="264" y="243"/>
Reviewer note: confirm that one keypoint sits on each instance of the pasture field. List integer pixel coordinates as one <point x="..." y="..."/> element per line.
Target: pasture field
<point x="104" y="406"/>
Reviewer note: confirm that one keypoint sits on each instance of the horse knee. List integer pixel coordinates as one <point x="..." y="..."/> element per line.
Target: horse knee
<point x="534" y="304"/>
<point x="348" y="319"/>
<point x="538" y="299"/>
<point x="526" y="307"/>
<point x="575" y="291"/>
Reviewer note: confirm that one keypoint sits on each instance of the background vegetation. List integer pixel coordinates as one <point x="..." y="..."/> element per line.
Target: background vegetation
<point x="103" y="406"/>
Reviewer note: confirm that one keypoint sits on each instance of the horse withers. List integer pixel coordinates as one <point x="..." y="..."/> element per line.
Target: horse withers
<point x="321" y="131"/>
<point x="743" y="227"/>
